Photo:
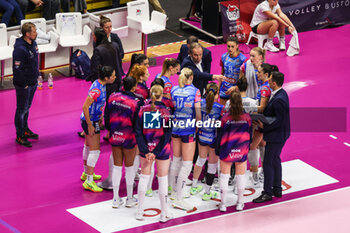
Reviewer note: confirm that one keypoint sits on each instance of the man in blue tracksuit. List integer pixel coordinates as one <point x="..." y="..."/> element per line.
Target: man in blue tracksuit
<point x="25" y="74"/>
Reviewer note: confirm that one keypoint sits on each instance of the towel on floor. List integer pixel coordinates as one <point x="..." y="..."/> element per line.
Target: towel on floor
<point x="294" y="47"/>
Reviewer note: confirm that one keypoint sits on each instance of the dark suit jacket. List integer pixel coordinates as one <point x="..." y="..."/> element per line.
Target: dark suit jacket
<point x="200" y="79"/>
<point x="278" y="107"/>
<point x="206" y="60"/>
<point x="104" y="56"/>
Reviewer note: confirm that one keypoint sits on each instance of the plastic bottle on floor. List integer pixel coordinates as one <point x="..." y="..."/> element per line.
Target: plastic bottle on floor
<point x="40" y="82"/>
<point x="50" y="81"/>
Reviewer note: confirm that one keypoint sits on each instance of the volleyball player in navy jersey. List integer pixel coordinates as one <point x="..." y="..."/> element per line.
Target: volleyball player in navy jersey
<point x="211" y="111"/>
<point x="154" y="144"/>
<point x="90" y="118"/>
<point x="230" y="63"/>
<point x="122" y="112"/>
<point x="232" y="147"/>
<point x="171" y="66"/>
<point x="186" y="98"/>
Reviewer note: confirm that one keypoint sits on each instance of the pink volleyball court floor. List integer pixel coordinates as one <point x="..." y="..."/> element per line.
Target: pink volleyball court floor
<point x="39" y="184"/>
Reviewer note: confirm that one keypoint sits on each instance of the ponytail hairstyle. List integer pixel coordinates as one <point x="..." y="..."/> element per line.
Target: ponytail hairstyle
<point x="129" y="83"/>
<point x="236" y="106"/>
<point x="260" y="51"/>
<point x="136" y="59"/>
<point x="185" y="74"/>
<point x="268" y="69"/>
<point x="104" y="20"/>
<point x="156" y="93"/>
<point x="211" y="90"/>
<point x="137" y="71"/>
<point x="242" y="84"/>
<point x="101" y="36"/>
<point x="158" y="81"/>
<point x="167" y="63"/>
<point x="105" y="71"/>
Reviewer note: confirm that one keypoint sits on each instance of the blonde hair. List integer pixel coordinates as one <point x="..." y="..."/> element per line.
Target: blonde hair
<point x="167" y="63"/>
<point x="137" y="71"/>
<point x="186" y="73"/>
<point x="260" y="51"/>
<point x="156" y="93"/>
<point x="211" y="90"/>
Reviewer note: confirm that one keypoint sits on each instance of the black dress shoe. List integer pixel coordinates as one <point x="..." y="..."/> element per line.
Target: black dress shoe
<point x="263" y="198"/>
<point x="277" y="193"/>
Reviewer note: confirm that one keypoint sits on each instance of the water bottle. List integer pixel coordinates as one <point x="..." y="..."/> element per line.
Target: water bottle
<point x="50" y="81"/>
<point x="40" y="82"/>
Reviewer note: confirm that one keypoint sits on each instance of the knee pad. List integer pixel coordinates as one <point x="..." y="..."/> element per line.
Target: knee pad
<point x="93" y="157"/>
<point x="212" y="168"/>
<point x="253" y="157"/>
<point x="200" y="161"/>
<point x="86" y="151"/>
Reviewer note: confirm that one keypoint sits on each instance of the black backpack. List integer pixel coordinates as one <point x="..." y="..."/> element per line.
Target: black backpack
<point x="81" y="64"/>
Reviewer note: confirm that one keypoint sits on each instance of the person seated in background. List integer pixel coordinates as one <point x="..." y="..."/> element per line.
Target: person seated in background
<point x="156" y="5"/>
<point x="8" y="7"/>
<point x="50" y="7"/>
<point x="201" y="73"/>
<point x="79" y="6"/>
<point x="267" y="19"/>
<point x="207" y="59"/>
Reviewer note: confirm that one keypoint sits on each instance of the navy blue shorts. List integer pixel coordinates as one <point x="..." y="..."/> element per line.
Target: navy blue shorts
<point x="85" y="126"/>
<point x="212" y="145"/>
<point x="185" y="138"/>
<point x="255" y="28"/>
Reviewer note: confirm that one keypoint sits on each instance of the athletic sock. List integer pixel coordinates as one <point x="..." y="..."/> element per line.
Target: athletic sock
<point x="116" y="177"/>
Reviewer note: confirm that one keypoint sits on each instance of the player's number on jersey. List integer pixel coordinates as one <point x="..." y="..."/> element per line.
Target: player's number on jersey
<point x="179" y="102"/>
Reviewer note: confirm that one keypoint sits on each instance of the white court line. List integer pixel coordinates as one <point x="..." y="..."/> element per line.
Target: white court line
<point x="332" y="136"/>
<point x="346" y="144"/>
<point x="253" y="209"/>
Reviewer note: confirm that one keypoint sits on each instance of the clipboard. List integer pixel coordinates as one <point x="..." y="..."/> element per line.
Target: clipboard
<point x="264" y="119"/>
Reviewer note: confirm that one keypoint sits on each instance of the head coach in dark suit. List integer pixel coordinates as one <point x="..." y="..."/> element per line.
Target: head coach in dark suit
<point x="201" y="74"/>
<point x="275" y="135"/>
<point x="207" y="59"/>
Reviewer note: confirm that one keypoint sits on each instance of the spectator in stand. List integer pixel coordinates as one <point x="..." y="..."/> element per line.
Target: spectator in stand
<point x="9" y="7"/>
<point x="50" y="7"/>
<point x="156" y="5"/>
<point x="207" y="59"/>
<point x="79" y="6"/>
<point x="201" y="74"/>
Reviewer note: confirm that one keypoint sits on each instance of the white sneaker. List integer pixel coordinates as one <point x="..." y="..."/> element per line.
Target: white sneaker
<point x="188" y="182"/>
<point x="139" y="216"/>
<point x="239" y="206"/>
<point x="166" y="217"/>
<point x="131" y="202"/>
<point x="106" y="184"/>
<point x="261" y="176"/>
<point x="270" y="47"/>
<point x="222" y="207"/>
<point x="181" y="204"/>
<point x="283" y="44"/>
<point x="117" y="202"/>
